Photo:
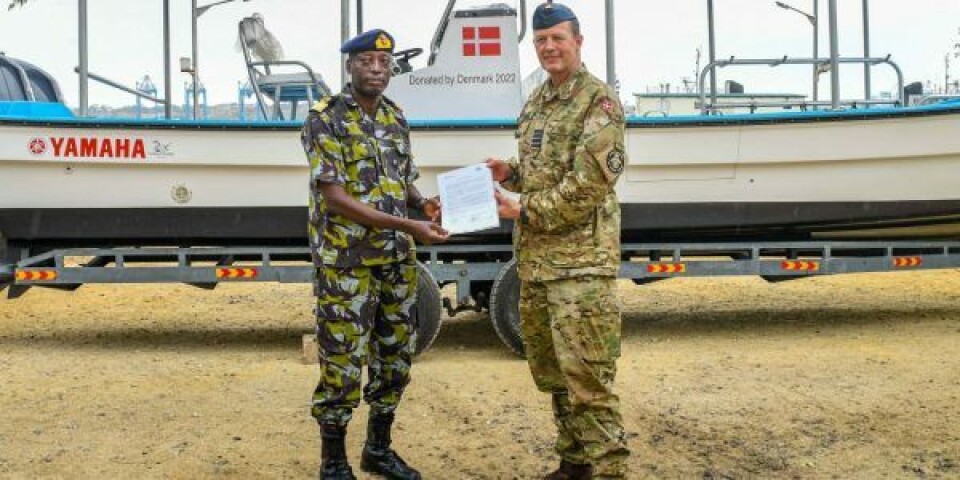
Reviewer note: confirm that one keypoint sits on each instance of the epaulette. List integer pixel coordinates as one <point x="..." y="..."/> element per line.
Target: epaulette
<point x="325" y="103"/>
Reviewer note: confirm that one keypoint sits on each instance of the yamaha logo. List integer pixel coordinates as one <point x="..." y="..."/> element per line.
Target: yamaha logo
<point x="37" y="146"/>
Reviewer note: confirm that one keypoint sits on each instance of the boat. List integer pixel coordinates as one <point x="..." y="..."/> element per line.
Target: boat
<point x="878" y="172"/>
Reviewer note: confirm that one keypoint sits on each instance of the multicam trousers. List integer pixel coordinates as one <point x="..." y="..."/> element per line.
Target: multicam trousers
<point x="571" y="333"/>
<point x="364" y="315"/>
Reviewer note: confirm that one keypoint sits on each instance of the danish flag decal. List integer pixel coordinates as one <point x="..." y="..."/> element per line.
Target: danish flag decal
<point x="481" y="41"/>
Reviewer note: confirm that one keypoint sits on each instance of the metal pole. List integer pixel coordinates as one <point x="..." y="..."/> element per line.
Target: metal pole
<point x="866" y="50"/>
<point x="713" y="54"/>
<point x="82" y="37"/>
<point x="167" y="86"/>
<point x="523" y="20"/>
<point x="137" y="93"/>
<point x="196" y="64"/>
<point x="611" y="57"/>
<point x="816" y="51"/>
<point x="834" y="54"/>
<point x="344" y="35"/>
<point x="359" y="16"/>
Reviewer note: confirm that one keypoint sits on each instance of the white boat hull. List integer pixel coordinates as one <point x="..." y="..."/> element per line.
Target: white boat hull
<point x="706" y="178"/>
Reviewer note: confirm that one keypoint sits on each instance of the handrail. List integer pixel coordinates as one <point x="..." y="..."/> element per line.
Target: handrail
<point x="118" y="86"/>
<point x="705" y="108"/>
<point x="250" y="71"/>
<point x="441" y="29"/>
<point x="523" y="21"/>
<point x="803" y="105"/>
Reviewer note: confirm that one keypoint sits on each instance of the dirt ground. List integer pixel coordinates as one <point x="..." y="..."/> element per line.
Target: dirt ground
<point x="836" y="377"/>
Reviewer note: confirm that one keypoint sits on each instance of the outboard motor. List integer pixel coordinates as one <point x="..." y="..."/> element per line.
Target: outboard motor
<point x="912" y="92"/>
<point x="23" y="82"/>
<point x="734" y="87"/>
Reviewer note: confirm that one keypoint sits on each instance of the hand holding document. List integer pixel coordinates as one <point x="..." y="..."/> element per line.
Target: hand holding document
<point x="467" y="198"/>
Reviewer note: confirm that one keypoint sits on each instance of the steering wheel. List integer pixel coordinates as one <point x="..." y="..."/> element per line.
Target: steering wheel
<point x="406" y="55"/>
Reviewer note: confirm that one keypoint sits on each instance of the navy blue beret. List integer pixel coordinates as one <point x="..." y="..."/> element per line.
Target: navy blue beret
<point x="549" y="14"/>
<point x="375" y="39"/>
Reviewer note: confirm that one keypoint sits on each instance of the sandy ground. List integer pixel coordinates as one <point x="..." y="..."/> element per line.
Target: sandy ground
<point x="836" y="377"/>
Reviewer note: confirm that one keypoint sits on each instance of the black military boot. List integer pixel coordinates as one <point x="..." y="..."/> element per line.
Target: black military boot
<point x="333" y="453"/>
<point x="571" y="471"/>
<point x="378" y="457"/>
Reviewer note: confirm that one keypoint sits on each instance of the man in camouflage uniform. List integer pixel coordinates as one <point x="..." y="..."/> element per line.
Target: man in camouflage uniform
<point x="362" y="243"/>
<point x="567" y="242"/>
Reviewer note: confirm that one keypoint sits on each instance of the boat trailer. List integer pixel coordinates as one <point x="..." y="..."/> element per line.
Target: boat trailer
<point x="484" y="276"/>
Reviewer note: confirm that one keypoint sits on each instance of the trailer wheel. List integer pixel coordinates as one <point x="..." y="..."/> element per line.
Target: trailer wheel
<point x="505" y="307"/>
<point x="6" y="271"/>
<point x="429" y="309"/>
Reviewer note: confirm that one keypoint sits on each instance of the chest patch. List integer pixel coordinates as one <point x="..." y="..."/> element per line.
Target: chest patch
<point x="537" y="140"/>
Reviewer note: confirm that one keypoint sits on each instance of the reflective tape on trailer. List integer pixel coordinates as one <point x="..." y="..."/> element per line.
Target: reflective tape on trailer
<point x="801" y="266"/>
<point x="236" y="273"/>
<point x="907" y="262"/>
<point x="667" y="268"/>
<point x="35" y="275"/>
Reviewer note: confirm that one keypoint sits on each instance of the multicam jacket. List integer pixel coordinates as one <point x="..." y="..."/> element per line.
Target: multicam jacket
<point x="370" y="158"/>
<point x="571" y="145"/>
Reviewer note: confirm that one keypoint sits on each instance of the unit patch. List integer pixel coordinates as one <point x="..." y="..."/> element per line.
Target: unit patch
<point x="615" y="161"/>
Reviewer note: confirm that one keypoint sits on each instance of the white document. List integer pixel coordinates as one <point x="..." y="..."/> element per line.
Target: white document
<point x="466" y="195"/>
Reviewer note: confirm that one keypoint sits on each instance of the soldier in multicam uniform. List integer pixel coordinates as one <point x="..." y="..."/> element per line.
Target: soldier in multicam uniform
<point x="362" y="242"/>
<point x="567" y="242"/>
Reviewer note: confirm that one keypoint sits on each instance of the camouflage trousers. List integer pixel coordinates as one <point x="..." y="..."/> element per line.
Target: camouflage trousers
<point x="571" y="333"/>
<point x="364" y="315"/>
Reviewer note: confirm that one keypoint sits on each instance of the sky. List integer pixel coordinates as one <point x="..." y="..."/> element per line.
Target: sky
<point x="656" y="41"/>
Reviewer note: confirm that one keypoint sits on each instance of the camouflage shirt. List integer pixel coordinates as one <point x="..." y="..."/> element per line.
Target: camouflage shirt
<point x="571" y="145"/>
<point x="370" y="158"/>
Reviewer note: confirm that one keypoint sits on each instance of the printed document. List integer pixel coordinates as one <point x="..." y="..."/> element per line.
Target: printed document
<point x="466" y="195"/>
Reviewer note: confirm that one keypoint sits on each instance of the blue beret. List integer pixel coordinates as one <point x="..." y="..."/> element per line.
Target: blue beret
<point x="375" y="39"/>
<point x="549" y="14"/>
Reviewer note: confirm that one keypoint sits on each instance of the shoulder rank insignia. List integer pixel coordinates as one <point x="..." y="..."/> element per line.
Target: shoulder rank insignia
<point x="537" y="140"/>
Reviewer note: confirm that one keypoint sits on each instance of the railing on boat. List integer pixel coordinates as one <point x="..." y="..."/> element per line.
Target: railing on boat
<point x="803" y="105"/>
<point x="708" y="104"/>
<point x="111" y="83"/>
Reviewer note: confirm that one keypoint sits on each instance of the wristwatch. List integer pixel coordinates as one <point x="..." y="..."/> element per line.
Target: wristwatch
<point x="420" y="203"/>
<point x="514" y="176"/>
